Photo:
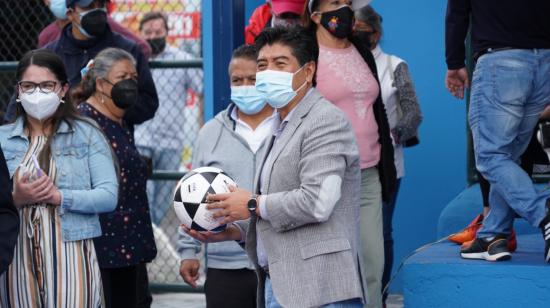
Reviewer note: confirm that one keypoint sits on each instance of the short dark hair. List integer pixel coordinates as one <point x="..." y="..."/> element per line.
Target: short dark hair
<point x="248" y="52"/>
<point x="368" y="15"/>
<point x="302" y="43"/>
<point x="152" y="16"/>
<point x="306" y="15"/>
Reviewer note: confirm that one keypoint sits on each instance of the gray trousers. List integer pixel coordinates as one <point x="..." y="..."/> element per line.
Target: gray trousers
<point x="372" y="238"/>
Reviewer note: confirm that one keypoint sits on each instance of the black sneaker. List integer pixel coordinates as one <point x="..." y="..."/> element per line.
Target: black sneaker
<point x="545" y="228"/>
<point x="494" y="250"/>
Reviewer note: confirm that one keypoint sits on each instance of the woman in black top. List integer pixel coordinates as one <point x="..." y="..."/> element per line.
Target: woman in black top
<point x="107" y="90"/>
<point x="9" y="219"/>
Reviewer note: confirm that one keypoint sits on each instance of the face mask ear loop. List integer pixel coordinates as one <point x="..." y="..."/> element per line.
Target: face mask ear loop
<point x="305" y="82"/>
<point x="61" y="100"/>
<point x="300" y="88"/>
<point x="102" y="94"/>
<point x="296" y="72"/>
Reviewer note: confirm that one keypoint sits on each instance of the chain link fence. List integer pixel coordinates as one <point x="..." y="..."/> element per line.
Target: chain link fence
<point x="168" y="138"/>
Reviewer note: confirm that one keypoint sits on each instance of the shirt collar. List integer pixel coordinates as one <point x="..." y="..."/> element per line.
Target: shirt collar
<point x="377" y="51"/>
<point x="19" y="128"/>
<point x="289" y="115"/>
<point x="235" y="117"/>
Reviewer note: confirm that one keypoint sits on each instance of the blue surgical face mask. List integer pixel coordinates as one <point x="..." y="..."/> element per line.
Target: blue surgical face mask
<point x="247" y="99"/>
<point x="276" y="87"/>
<point x="58" y="8"/>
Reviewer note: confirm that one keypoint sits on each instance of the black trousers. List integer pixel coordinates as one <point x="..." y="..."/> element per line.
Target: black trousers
<point x="230" y="288"/>
<point x="120" y="286"/>
<point x="144" y="296"/>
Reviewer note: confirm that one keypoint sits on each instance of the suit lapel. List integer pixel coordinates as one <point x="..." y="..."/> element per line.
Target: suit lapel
<point x="259" y="172"/>
<point x="302" y="109"/>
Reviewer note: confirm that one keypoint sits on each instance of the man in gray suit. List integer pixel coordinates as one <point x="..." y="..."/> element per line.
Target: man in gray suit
<point x="303" y="231"/>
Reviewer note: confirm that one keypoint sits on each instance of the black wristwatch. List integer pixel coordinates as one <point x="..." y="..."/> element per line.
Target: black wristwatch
<point x="252" y="204"/>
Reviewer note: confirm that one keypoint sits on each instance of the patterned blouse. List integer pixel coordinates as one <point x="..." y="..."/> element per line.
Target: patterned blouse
<point x="43" y="264"/>
<point x="127" y="231"/>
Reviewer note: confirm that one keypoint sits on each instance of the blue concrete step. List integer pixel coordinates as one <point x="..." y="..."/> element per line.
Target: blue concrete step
<point x="437" y="277"/>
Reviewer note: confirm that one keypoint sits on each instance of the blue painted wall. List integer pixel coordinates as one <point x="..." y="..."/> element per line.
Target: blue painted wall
<point x="436" y="169"/>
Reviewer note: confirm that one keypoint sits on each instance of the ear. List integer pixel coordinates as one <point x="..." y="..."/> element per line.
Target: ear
<point x="315" y="17"/>
<point x="99" y="85"/>
<point x="310" y="71"/>
<point x="376" y="38"/>
<point x="64" y="90"/>
<point x="72" y="15"/>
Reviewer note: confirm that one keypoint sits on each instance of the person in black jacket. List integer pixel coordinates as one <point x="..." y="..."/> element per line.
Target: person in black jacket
<point x="86" y="36"/>
<point x="9" y="218"/>
<point x="347" y="77"/>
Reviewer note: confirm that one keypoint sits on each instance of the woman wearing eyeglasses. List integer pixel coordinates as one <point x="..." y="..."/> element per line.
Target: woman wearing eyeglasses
<point x="63" y="177"/>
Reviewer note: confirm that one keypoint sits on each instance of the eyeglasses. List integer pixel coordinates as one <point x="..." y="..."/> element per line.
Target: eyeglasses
<point x="29" y="87"/>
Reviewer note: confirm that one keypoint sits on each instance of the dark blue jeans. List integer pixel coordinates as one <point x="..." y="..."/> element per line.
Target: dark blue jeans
<point x="387" y="217"/>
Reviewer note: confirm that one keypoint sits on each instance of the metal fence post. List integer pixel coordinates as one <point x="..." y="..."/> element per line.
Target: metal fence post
<point x="222" y="21"/>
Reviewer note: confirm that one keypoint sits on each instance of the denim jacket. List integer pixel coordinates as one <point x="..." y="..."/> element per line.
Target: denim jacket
<point x="86" y="175"/>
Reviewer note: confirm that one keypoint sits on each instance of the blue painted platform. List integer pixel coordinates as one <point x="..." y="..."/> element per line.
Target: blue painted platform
<point x="437" y="277"/>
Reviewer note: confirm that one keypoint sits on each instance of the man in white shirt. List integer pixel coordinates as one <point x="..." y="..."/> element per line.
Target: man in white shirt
<point x="302" y="230"/>
<point x="234" y="141"/>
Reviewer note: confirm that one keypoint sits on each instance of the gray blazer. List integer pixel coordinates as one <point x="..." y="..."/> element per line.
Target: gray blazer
<point x="311" y="236"/>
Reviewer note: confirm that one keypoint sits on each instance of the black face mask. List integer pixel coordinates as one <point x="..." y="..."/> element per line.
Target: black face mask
<point x="157" y="44"/>
<point x="338" y="22"/>
<point x="124" y="93"/>
<point x="94" y="22"/>
<point x="365" y="37"/>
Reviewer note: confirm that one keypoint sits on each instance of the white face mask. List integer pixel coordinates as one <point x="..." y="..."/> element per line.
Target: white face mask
<point x="40" y="105"/>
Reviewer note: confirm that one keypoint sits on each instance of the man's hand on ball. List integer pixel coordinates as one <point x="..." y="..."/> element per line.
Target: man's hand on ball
<point x="231" y="206"/>
<point x="231" y="233"/>
<point x="189" y="271"/>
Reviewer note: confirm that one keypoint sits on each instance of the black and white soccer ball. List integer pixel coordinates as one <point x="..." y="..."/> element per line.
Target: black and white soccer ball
<point x="190" y="198"/>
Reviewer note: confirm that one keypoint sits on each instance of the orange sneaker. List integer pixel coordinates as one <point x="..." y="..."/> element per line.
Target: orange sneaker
<point x="468" y="233"/>
<point x="512" y="242"/>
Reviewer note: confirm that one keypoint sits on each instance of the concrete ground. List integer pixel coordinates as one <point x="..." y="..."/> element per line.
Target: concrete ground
<point x="194" y="300"/>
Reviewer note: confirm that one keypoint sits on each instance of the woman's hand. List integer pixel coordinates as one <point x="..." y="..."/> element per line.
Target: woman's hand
<point x="231" y="206"/>
<point x="41" y="190"/>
